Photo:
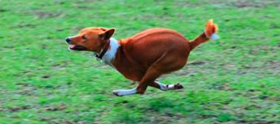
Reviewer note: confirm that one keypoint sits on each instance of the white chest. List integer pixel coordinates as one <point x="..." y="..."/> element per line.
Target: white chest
<point x="111" y="52"/>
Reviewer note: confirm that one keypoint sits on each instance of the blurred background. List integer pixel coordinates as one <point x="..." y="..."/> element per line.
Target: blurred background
<point x="231" y="80"/>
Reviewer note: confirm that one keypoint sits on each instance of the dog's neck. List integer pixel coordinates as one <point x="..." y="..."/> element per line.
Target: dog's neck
<point x="111" y="52"/>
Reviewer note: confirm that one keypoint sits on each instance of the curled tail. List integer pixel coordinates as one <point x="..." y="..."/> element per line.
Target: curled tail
<point x="210" y="32"/>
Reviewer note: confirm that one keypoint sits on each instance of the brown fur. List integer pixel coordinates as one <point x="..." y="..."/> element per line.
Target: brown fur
<point x="147" y="55"/>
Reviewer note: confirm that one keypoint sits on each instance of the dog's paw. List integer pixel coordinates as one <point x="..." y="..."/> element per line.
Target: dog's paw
<point x="174" y="86"/>
<point x="115" y="92"/>
<point x="178" y="86"/>
<point x="124" y="92"/>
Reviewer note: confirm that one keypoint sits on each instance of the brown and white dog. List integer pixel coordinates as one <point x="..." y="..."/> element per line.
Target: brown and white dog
<point x="143" y="57"/>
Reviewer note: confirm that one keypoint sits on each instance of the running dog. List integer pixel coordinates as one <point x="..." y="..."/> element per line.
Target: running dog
<point x="143" y="57"/>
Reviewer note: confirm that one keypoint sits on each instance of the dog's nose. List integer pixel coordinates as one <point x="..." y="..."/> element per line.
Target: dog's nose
<point x="68" y="40"/>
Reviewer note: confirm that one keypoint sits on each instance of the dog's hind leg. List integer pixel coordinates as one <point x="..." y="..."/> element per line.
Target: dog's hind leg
<point x="165" y="87"/>
<point x="165" y="64"/>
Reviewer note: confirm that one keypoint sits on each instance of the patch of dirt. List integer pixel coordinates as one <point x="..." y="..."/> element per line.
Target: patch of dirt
<point x="242" y="4"/>
<point x="26" y="89"/>
<point x="44" y="15"/>
<point x="147" y="17"/>
<point x="226" y="87"/>
<point x="60" y="66"/>
<point x="269" y="65"/>
<point x="272" y="66"/>
<point x="101" y="65"/>
<point x="44" y="46"/>
<point x="231" y="3"/>
<point x="25" y="26"/>
<point x="73" y="122"/>
<point x="1" y="109"/>
<point x="255" y="122"/>
<point x="19" y="108"/>
<point x="79" y="6"/>
<point x="164" y="118"/>
<point x="55" y="108"/>
<point x="56" y="121"/>
<point x="256" y="4"/>
<point x="196" y="63"/>
<point x="160" y="120"/>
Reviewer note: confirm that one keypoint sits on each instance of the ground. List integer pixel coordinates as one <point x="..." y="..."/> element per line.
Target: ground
<point x="231" y="80"/>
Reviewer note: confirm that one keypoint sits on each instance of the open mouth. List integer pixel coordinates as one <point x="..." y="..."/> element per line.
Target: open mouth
<point x="77" y="47"/>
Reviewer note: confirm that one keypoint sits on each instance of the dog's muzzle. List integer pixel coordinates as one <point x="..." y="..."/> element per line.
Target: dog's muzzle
<point x="68" y="40"/>
<point x="74" y="47"/>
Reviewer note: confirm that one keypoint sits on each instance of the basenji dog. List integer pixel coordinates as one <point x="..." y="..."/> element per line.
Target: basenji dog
<point x="143" y="57"/>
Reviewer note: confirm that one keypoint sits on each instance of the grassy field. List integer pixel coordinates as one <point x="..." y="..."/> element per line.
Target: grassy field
<point x="232" y="80"/>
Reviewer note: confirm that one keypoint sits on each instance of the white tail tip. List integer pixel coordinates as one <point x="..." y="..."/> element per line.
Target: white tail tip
<point x="214" y="37"/>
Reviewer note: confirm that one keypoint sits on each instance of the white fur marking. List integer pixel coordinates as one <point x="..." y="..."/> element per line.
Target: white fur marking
<point x="215" y="36"/>
<point x="125" y="92"/>
<point x="111" y="53"/>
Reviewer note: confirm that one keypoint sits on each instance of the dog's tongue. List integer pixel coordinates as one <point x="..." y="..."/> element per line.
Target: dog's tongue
<point x="72" y="46"/>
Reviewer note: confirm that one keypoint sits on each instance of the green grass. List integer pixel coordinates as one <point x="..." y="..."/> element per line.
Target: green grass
<point x="232" y="80"/>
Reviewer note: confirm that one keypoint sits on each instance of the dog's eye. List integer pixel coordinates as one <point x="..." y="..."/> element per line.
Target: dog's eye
<point x="83" y="37"/>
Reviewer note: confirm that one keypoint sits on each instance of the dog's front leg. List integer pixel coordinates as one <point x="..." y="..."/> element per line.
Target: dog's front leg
<point x="150" y="76"/>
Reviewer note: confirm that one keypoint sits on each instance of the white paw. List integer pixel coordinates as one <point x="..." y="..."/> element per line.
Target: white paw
<point x="169" y="87"/>
<point x="174" y="86"/>
<point x="124" y="92"/>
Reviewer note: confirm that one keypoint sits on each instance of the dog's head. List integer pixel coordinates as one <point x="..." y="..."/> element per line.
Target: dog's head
<point x="90" y="39"/>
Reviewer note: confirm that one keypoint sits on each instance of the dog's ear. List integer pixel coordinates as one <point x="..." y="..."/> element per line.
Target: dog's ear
<point x="107" y="34"/>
